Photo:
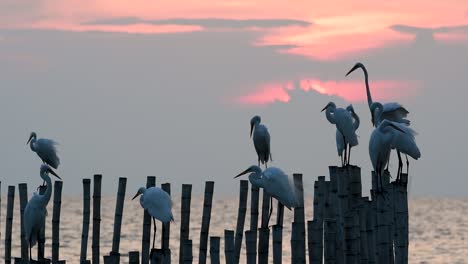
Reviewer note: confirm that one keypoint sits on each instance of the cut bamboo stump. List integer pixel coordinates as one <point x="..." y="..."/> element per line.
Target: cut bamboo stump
<point x="254" y="201"/>
<point x="23" y="194"/>
<point x="133" y="257"/>
<point x="188" y="257"/>
<point x="185" y="218"/>
<point x="146" y="234"/>
<point x="205" y="227"/>
<point x="56" y="222"/>
<point x="41" y="238"/>
<point x="166" y="230"/>
<point x="298" y="226"/>
<point x="250" y="246"/>
<point x="229" y="246"/>
<point x="114" y="255"/>
<point x="264" y="231"/>
<point x="401" y="220"/>
<point x="214" y="249"/>
<point x="86" y="218"/>
<point x="277" y="244"/>
<point x="96" y="218"/>
<point x="9" y="223"/>
<point x="242" y="209"/>
<point x="330" y="240"/>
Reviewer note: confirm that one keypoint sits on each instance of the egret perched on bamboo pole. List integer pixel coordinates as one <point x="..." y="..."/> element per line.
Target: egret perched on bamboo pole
<point x="275" y="182"/>
<point x="343" y="119"/>
<point x="35" y="211"/>
<point x="157" y="203"/>
<point x="340" y="143"/>
<point x="261" y="140"/>
<point x="45" y="149"/>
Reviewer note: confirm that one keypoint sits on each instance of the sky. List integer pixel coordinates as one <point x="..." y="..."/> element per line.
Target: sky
<point x="167" y="88"/>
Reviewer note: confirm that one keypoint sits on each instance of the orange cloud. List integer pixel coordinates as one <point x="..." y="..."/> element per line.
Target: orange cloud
<point x="268" y="93"/>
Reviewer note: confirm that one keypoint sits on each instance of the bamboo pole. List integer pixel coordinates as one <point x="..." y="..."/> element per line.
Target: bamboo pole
<point x="9" y="223"/>
<point x="41" y="238"/>
<point x="214" y="250"/>
<point x="250" y="246"/>
<point x="166" y="229"/>
<point x="146" y="235"/>
<point x="188" y="257"/>
<point x="401" y="221"/>
<point x="23" y="194"/>
<point x="277" y="244"/>
<point x="263" y="239"/>
<point x="119" y="205"/>
<point x="229" y="246"/>
<point x="330" y="240"/>
<point x="185" y="218"/>
<point x="371" y="232"/>
<point x="133" y="257"/>
<point x="56" y="221"/>
<point x="206" y="217"/>
<point x="299" y="220"/>
<point x="381" y="224"/>
<point x="316" y="255"/>
<point x="86" y="217"/>
<point x="315" y="243"/>
<point x="265" y="209"/>
<point x="254" y="201"/>
<point x="362" y="210"/>
<point x="96" y="218"/>
<point x="243" y="192"/>
<point x="352" y="237"/>
<point x="338" y="180"/>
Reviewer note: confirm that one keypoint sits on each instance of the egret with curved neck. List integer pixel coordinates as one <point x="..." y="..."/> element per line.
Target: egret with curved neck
<point x="45" y="149"/>
<point x="261" y="140"/>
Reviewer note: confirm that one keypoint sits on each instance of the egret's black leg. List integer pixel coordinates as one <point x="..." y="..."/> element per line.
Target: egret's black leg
<point x="154" y="231"/>
<point x="400" y="166"/>
<point x="388" y="161"/>
<point x="349" y="154"/>
<point x="259" y="162"/>
<point x="271" y="210"/>
<point x="342" y="162"/>
<point x="345" y="150"/>
<point x="407" y="165"/>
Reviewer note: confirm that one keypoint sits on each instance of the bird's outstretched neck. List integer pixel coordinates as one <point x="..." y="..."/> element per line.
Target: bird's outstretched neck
<point x="48" y="192"/>
<point x="366" y="79"/>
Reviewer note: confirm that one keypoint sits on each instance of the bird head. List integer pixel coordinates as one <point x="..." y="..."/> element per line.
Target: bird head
<point x="356" y="66"/>
<point x="350" y="108"/>
<point x="256" y="119"/>
<point x="140" y="191"/>
<point x="31" y="136"/>
<point x="252" y="169"/>
<point x="330" y="104"/>
<point x="46" y="169"/>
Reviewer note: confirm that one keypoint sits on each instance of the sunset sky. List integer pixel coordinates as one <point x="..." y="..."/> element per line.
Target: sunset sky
<point x="167" y="88"/>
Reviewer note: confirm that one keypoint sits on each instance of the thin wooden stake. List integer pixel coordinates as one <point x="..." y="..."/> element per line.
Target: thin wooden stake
<point x="250" y="246"/>
<point x="146" y="235"/>
<point x="56" y="220"/>
<point x="254" y="201"/>
<point x="95" y="246"/>
<point x="133" y="257"/>
<point x="277" y="244"/>
<point x="185" y="218"/>
<point x="243" y="192"/>
<point x="166" y="229"/>
<point x="9" y="223"/>
<point x="263" y="245"/>
<point x="23" y="193"/>
<point x="229" y="246"/>
<point x="214" y="249"/>
<point x="299" y="220"/>
<point x="41" y="238"/>
<point x="86" y="218"/>
<point x="206" y="217"/>
<point x="188" y="257"/>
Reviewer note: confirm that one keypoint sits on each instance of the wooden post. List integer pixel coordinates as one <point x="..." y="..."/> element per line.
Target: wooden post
<point x="185" y="218"/>
<point x="264" y="231"/>
<point x="265" y="209"/>
<point x="316" y="256"/>
<point x="254" y="201"/>
<point x="166" y="229"/>
<point x="352" y="237"/>
<point x="119" y="205"/>
<point x="96" y="218"/>
<point x="9" y="223"/>
<point x="250" y="246"/>
<point x="23" y="194"/>
<point x="315" y="243"/>
<point x="362" y="210"/>
<point x="205" y="226"/>
<point x="339" y="193"/>
<point x="86" y="216"/>
<point x="41" y="238"/>
<point x="56" y="221"/>
<point x="330" y="240"/>
<point x="243" y="192"/>
<point x="188" y="257"/>
<point x="371" y="232"/>
<point x="277" y="244"/>
<point x="229" y="246"/>
<point x="146" y="235"/>
<point x="382" y="227"/>
<point x="299" y="221"/>
<point x="133" y="257"/>
<point x="401" y="220"/>
<point x="214" y="250"/>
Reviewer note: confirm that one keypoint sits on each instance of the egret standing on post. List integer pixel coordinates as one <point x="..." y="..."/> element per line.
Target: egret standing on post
<point x="340" y="144"/>
<point x="275" y="182"/>
<point x="45" y="149"/>
<point x="35" y="211"/>
<point x="157" y="203"/>
<point x="343" y="120"/>
<point x="261" y="140"/>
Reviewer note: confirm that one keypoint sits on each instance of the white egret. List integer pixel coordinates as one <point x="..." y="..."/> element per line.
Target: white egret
<point x="45" y="149"/>
<point x="340" y="144"/>
<point x="391" y="111"/>
<point x="343" y="120"/>
<point x="35" y="211"/>
<point x="275" y="182"/>
<point x="157" y="203"/>
<point x="261" y="140"/>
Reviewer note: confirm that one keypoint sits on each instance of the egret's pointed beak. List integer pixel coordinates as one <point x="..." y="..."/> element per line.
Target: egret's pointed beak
<point x="352" y="69"/>
<point x="397" y="128"/>
<point x="325" y="107"/>
<point x="373" y="122"/>
<point x="242" y="173"/>
<point x="29" y="140"/>
<point x="136" y="195"/>
<point x="53" y="173"/>
<point x="251" y="129"/>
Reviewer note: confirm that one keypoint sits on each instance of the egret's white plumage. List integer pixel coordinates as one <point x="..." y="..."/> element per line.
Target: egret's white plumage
<point x="275" y="182"/>
<point x="261" y="140"/>
<point x="45" y="149"/>
<point x="35" y="211"/>
<point x="345" y="125"/>
<point x="340" y="143"/>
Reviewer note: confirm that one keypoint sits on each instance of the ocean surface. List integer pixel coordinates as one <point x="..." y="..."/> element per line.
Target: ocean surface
<point x="438" y="228"/>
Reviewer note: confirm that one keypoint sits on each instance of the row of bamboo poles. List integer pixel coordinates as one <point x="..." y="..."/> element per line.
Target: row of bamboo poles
<point x="346" y="227"/>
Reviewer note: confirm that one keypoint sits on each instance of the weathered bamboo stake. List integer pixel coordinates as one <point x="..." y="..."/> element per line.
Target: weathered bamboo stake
<point x="9" y="223"/>
<point x="339" y="193"/>
<point x="250" y="246"/>
<point x="185" y="218"/>
<point x="254" y="201"/>
<point x="229" y="246"/>
<point x="371" y="232"/>
<point x="264" y="231"/>
<point x="382" y="225"/>
<point x="401" y="221"/>
<point x="56" y="221"/>
<point x="214" y="249"/>
<point x="277" y="244"/>
<point x="243" y="192"/>
<point x="96" y="218"/>
<point x="352" y="237"/>
<point x="311" y="248"/>
<point x="133" y="257"/>
<point x="280" y="214"/>
<point x="146" y="235"/>
<point x="23" y="194"/>
<point x="362" y="210"/>
<point x="316" y="255"/>
<point x="299" y="220"/>
<point x="188" y="257"/>
<point x="166" y="229"/>
<point x="86" y="216"/>
<point x="330" y="240"/>
<point x="41" y="238"/>
<point x="315" y="243"/>
<point x="158" y="256"/>
<point x="265" y="209"/>
<point x="119" y="205"/>
<point x="206" y="217"/>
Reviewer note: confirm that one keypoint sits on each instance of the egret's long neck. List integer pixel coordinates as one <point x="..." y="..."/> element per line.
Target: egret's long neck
<point x="357" y="121"/>
<point x="48" y="192"/>
<point x="330" y="114"/>
<point x="366" y="79"/>
<point x="32" y="144"/>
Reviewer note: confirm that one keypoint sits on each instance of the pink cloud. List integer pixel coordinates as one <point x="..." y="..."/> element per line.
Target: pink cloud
<point x="267" y="93"/>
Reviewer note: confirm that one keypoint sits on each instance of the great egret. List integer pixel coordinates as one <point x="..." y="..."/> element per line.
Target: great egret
<point x="343" y="120"/>
<point x="340" y="144"/>
<point x="275" y="182"/>
<point x="45" y="149"/>
<point x="261" y="140"/>
<point x="403" y="143"/>
<point x="35" y="211"/>
<point x="157" y="203"/>
<point x="391" y="111"/>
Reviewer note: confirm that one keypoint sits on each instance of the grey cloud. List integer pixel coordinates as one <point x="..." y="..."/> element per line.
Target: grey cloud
<point x="427" y="32"/>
